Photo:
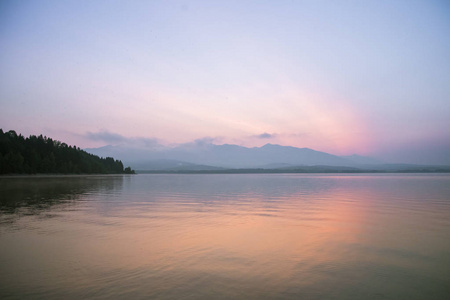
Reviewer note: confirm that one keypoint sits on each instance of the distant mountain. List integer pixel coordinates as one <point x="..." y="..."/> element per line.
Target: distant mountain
<point x="206" y="155"/>
<point x="362" y="160"/>
<point x="276" y="166"/>
<point x="200" y="157"/>
<point x="171" y="165"/>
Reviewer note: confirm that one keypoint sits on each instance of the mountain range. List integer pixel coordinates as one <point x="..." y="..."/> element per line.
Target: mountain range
<point x="208" y="156"/>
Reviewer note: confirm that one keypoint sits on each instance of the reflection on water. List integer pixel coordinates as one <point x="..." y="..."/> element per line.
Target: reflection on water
<point x="268" y="236"/>
<point x="35" y="195"/>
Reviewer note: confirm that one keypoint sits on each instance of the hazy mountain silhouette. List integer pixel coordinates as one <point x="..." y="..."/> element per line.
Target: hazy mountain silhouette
<point x="210" y="155"/>
<point x="362" y="160"/>
<point x="173" y="165"/>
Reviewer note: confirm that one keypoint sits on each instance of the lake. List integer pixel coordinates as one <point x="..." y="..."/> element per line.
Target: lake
<point x="245" y="236"/>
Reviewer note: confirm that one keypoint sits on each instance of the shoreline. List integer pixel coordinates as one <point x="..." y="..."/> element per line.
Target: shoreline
<point x="60" y="175"/>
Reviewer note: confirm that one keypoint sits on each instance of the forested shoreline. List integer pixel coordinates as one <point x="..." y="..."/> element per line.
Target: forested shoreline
<point x="43" y="155"/>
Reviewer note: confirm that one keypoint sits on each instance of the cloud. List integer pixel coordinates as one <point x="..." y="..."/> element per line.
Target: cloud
<point x="265" y="135"/>
<point x="206" y="141"/>
<point x="298" y="135"/>
<point x="115" y="138"/>
<point x="105" y="136"/>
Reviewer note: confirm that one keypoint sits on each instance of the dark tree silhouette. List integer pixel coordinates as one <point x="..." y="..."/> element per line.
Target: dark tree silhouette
<point x="40" y="154"/>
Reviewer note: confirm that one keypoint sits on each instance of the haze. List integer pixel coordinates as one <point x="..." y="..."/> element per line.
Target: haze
<point x="344" y="77"/>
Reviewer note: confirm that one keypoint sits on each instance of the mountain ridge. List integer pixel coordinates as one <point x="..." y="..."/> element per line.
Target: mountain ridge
<point x="209" y="158"/>
<point x="225" y="156"/>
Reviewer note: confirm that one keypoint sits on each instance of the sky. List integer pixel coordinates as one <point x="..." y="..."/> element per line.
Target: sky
<point x="344" y="77"/>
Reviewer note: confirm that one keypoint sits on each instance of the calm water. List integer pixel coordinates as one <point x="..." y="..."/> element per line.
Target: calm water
<point x="268" y="236"/>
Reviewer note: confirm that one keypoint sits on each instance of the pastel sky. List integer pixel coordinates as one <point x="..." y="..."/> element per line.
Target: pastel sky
<point x="344" y="77"/>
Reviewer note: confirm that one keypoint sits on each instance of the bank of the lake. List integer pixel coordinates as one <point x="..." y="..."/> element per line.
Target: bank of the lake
<point x="43" y="155"/>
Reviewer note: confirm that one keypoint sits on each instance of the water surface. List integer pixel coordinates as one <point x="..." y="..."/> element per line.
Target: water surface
<point x="258" y="236"/>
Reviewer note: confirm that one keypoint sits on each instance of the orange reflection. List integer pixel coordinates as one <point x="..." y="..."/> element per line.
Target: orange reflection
<point x="276" y="244"/>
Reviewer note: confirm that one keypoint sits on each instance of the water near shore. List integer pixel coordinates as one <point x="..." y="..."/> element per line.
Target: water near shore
<point x="258" y="236"/>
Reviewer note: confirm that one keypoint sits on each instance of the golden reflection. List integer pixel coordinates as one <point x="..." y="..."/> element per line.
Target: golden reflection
<point x="276" y="244"/>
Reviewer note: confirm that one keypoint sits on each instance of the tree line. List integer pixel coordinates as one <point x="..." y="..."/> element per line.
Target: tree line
<point x="40" y="154"/>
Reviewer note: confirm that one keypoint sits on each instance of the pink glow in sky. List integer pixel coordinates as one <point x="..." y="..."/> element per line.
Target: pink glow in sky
<point x="368" y="77"/>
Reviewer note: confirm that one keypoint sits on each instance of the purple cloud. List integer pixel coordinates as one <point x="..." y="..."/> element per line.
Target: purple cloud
<point x="265" y="135"/>
<point x="105" y="136"/>
<point x="115" y="138"/>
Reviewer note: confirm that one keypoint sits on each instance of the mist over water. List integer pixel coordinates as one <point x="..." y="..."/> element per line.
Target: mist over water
<point x="259" y="236"/>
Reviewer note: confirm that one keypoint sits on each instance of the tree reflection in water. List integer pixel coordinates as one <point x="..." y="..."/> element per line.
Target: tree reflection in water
<point x="34" y="195"/>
